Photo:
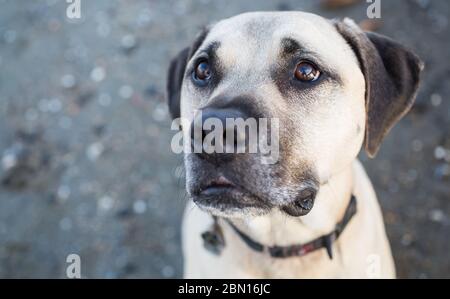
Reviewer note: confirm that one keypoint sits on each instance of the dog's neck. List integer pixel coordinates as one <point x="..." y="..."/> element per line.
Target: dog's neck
<point x="277" y="228"/>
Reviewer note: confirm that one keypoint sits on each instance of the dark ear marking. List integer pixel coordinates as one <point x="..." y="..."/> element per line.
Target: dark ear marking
<point x="392" y="75"/>
<point x="174" y="81"/>
<point x="176" y="72"/>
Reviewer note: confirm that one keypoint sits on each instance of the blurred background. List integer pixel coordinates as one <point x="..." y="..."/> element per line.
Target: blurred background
<point x="86" y="165"/>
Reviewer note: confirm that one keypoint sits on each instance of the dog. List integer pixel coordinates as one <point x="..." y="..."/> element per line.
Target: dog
<point x="313" y="213"/>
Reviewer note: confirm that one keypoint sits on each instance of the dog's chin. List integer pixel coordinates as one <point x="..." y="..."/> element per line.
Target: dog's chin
<point x="233" y="212"/>
<point x="221" y="197"/>
<point x="246" y="206"/>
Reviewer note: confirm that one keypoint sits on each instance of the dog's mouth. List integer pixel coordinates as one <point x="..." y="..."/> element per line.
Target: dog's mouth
<point x="216" y="187"/>
<point x="222" y="195"/>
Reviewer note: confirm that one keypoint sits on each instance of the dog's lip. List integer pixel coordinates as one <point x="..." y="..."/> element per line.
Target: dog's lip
<point x="221" y="193"/>
<point x="217" y="185"/>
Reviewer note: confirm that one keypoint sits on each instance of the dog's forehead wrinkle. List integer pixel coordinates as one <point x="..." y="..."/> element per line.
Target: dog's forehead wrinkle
<point x="252" y="41"/>
<point x="237" y="83"/>
<point x="273" y="27"/>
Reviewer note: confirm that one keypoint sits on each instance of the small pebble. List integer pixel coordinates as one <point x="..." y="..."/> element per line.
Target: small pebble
<point x="126" y="92"/>
<point x="160" y="113"/>
<point x="144" y="17"/>
<point x="9" y="160"/>
<point x="54" y="105"/>
<point x="128" y="42"/>
<point x="68" y="81"/>
<point x="105" y="203"/>
<point x="417" y="145"/>
<point x="440" y="153"/>
<point x="442" y="171"/>
<point x="436" y="215"/>
<point x="98" y="74"/>
<point x="436" y="99"/>
<point x="407" y="239"/>
<point x="139" y="207"/>
<point x="104" y="99"/>
<point x="63" y="192"/>
<point x="94" y="151"/>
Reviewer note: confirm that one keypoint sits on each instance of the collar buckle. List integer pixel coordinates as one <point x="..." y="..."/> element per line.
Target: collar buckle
<point x="213" y="239"/>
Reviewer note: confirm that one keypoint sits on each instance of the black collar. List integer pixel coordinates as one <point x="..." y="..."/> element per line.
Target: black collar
<point x="214" y="241"/>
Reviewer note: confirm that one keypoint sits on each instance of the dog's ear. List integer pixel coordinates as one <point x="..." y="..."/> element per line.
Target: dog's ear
<point x="392" y="75"/>
<point x="176" y="72"/>
<point x="174" y="81"/>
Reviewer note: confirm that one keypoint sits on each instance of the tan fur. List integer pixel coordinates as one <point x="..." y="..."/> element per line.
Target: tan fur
<point x="332" y="131"/>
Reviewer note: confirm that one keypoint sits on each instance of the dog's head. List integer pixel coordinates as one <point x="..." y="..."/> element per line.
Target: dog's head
<point x="331" y="87"/>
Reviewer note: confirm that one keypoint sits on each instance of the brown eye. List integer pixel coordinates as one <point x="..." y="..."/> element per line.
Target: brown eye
<point x="202" y="72"/>
<point x="307" y="72"/>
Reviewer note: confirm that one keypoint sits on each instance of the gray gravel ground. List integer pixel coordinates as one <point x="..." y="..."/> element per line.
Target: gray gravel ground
<point x="86" y="165"/>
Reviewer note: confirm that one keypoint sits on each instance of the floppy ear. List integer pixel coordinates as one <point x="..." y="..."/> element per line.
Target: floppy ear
<point x="176" y="72"/>
<point x="175" y="80"/>
<point x="392" y="75"/>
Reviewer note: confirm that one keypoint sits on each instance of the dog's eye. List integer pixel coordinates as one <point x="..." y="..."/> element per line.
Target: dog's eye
<point x="202" y="72"/>
<point x="306" y="71"/>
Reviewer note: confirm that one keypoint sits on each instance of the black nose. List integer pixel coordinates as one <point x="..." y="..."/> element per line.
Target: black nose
<point x="205" y="130"/>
